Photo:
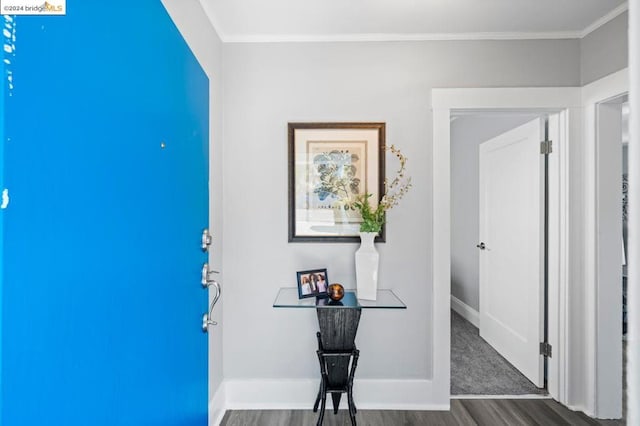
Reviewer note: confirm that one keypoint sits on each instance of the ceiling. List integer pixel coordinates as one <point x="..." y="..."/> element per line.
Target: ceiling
<point x="352" y="20"/>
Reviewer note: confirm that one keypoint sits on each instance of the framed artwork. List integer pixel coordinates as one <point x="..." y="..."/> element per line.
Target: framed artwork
<point x="313" y="283"/>
<point x="330" y="164"/>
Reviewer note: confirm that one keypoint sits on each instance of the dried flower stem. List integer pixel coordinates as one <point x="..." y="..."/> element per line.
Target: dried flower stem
<point x="372" y="220"/>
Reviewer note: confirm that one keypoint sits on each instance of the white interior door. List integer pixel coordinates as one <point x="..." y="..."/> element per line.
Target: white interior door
<point x="512" y="234"/>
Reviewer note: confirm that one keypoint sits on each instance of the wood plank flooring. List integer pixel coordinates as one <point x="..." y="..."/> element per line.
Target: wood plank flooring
<point x="481" y="412"/>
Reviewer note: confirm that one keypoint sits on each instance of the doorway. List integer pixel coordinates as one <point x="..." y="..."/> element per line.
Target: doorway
<point x="498" y="254"/>
<point x="612" y="132"/>
<point x="567" y="102"/>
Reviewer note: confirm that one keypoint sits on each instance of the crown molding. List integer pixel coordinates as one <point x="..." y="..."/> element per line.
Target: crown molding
<point x="396" y="37"/>
<point x="324" y="38"/>
<point x="606" y="18"/>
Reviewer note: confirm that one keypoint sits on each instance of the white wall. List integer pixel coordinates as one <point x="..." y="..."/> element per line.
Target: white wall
<point x="268" y="85"/>
<point x="468" y="131"/>
<point x="203" y="40"/>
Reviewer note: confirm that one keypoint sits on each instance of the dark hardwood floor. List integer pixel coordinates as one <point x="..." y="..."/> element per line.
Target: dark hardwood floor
<point x="482" y="412"/>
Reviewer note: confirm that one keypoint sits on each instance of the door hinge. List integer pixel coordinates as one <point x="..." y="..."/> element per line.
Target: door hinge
<point x="546" y="147"/>
<point x="545" y="349"/>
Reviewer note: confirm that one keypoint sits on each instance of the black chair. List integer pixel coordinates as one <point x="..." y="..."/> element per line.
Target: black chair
<point x="334" y="365"/>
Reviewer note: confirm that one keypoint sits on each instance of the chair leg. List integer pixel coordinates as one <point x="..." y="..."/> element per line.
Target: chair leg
<point x="322" y="405"/>
<point x="352" y="415"/>
<point x="322" y="392"/>
<point x="352" y="405"/>
<point x="315" y="405"/>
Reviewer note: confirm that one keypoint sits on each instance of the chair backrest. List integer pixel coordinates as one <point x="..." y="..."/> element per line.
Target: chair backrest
<point x="338" y="328"/>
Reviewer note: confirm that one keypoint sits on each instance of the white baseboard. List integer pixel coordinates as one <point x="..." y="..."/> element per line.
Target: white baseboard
<point x="465" y="311"/>
<point x="580" y="407"/>
<point x="218" y="405"/>
<point x="369" y="394"/>
<point x="531" y="396"/>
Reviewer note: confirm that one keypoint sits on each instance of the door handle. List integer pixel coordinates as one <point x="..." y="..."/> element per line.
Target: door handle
<point x="207" y="282"/>
<point x="207" y="316"/>
<point x="481" y="246"/>
<point x="206" y="274"/>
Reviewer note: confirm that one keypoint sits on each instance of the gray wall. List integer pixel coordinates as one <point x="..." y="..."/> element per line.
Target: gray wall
<point x="605" y="50"/>
<point x="268" y="85"/>
<point x="201" y="37"/>
<point x="467" y="133"/>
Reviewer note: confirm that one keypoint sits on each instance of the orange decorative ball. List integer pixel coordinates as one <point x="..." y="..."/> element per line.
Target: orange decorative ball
<point x="335" y="291"/>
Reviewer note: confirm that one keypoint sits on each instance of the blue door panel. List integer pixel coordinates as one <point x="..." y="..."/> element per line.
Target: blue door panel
<point x="100" y="293"/>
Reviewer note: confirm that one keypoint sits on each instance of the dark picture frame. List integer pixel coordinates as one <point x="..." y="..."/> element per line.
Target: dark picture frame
<point x="312" y="283"/>
<point x="329" y="165"/>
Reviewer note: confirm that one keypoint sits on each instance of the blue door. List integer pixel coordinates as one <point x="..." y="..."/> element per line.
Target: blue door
<point x="104" y="159"/>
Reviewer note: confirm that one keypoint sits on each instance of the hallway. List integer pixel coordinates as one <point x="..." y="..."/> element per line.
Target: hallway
<point x="478" y="369"/>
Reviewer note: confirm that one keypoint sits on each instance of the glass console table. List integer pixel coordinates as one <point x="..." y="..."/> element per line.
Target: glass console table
<point x="288" y="298"/>
<point x="337" y="351"/>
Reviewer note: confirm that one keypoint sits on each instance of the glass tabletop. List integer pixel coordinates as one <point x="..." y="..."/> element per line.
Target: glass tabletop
<point x="386" y="299"/>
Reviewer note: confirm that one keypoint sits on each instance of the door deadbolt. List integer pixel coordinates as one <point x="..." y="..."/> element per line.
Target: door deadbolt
<point x="206" y="240"/>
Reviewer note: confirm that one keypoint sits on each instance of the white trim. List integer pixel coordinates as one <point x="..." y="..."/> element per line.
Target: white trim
<point x="556" y="124"/>
<point x="382" y="37"/>
<point x="499" y="98"/>
<point x="570" y="262"/>
<point x="531" y="396"/>
<point x="441" y="255"/>
<point x="604" y="19"/>
<point x="218" y="406"/>
<point x="606" y="88"/>
<point x="556" y="99"/>
<point x="369" y="394"/>
<point x="465" y="311"/>
<point x="633" y="270"/>
<point x="592" y="94"/>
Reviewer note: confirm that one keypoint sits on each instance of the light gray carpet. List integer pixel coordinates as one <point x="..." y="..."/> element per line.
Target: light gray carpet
<point x="478" y="369"/>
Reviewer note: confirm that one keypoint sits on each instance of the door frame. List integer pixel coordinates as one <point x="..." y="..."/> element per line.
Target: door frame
<point x="600" y="359"/>
<point x="566" y="101"/>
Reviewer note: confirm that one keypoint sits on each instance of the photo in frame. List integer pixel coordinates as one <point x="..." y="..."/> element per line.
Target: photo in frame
<point x="312" y="283"/>
<point x="330" y="164"/>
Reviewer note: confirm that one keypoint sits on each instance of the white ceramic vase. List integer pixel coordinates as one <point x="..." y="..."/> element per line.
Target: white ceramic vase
<point x="367" y="260"/>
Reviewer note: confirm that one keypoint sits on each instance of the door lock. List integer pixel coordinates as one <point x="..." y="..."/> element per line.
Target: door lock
<point x="206" y="240"/>
<point x="481" y="246"/>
